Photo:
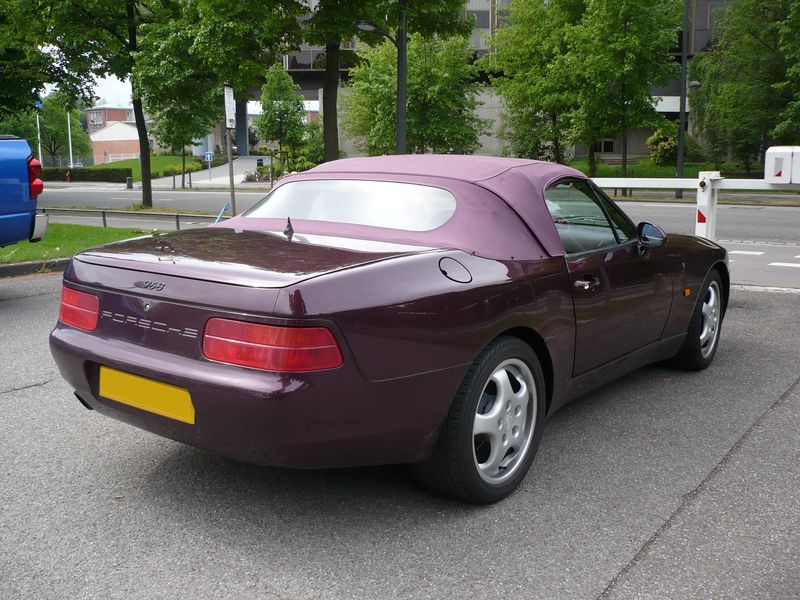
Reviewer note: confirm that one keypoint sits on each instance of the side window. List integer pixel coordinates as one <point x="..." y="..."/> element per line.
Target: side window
<point x="624" y="227"/>
<point x="579" y="219"/>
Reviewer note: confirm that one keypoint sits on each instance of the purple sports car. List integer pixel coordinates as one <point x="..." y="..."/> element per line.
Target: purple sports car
<point x="430" y="310"/>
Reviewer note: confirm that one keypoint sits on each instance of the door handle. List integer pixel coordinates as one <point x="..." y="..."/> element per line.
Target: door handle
<point x="588" y="283"/>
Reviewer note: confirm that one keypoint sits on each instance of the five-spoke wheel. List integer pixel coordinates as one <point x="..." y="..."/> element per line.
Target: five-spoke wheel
<point x="702" y="335"/>
<point x="493" y="428"/>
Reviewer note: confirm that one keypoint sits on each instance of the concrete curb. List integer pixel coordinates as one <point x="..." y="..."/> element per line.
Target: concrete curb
<point x="29" y="268"/>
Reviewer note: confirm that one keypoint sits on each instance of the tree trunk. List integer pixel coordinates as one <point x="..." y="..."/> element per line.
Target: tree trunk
<point x="624" y="154"/>
<point x="624" y="144"/>
<point x="592" y="161"/>
<point x="138" y="112"/>
<point x="558" y="153"/>
<point x="330" y="93"/>
<point x="183" y="167"/>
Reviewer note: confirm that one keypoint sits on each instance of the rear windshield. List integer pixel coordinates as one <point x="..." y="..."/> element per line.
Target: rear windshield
<point x="405" y="206"/>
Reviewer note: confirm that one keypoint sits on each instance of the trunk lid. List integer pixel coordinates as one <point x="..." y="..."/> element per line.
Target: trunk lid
<point x="239" y="257"/>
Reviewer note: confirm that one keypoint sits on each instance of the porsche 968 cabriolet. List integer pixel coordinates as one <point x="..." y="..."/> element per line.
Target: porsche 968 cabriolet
<point x="429" y="310"/>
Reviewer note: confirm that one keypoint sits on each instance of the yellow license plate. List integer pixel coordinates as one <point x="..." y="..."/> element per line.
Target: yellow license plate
<point x="162" y="399"/>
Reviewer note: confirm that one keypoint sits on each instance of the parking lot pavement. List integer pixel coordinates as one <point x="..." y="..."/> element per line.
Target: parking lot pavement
<point x="661" y="485"/>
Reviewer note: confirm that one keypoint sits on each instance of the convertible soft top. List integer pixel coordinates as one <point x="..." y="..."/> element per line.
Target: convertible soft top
<point x="485" y="187"/>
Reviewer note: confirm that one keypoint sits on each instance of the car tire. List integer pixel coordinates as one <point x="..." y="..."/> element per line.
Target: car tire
<point x="492" y="431"/>
<point x="702" y="336"/>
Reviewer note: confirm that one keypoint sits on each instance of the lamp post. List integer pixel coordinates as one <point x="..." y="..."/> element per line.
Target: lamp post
<point x="684" y="76"/>
<point x="400" y="43"/>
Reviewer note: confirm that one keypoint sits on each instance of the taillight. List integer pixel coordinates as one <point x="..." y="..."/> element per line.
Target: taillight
<point x="79" y="309"/>
<point x="271" y="348"/>
<point x="36" y="185"/>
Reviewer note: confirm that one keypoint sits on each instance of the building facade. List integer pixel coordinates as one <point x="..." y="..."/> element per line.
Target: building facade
<point x="103" y="115"/>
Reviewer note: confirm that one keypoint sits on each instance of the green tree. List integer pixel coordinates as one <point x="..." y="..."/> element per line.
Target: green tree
<point x="333" y="23"/>
<point x="99" y="37"/>
<point x="53" y="125"/>
<point x="527" y="67"/>
<point x="788" y="128"/>
<point x="743" y="79"/>
<point x="187" y="57"/>
<point x="26" y="65"/>
<point x="442" y="97"/>
<point x="282" y="119"/>
<point x="182" y="96"/>
<point x="617" y="53"/>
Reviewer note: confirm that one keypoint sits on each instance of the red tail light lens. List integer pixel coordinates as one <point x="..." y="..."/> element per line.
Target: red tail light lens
<point x="36" y="185"/>
<point x="286" y="349"/>
<point x="79" y="309"/>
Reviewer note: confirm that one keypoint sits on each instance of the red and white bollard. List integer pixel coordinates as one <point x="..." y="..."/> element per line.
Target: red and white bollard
<point x="706" y="212"/>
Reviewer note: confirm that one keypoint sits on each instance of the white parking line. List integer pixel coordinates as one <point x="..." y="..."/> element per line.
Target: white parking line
<point x="780" y="264"/>
<point x="747" y="252"/>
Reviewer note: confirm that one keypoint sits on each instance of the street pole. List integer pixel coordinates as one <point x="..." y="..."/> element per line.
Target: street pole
<point x="230" y="124"/>
<point x="684" y="83"/>
<point x="39" y="136"/>
<point x="69" y="137"/>
<point x="402" y="62"/>
<point x="230" y="170"/>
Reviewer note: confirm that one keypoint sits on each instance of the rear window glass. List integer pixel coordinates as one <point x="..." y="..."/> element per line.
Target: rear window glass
<point x="406" y="206"/>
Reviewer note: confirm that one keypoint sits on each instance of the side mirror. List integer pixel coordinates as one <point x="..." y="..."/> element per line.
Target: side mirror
<point x="650" y="236"/>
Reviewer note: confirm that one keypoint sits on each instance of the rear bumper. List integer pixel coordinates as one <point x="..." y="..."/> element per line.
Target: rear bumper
<point x="40" y="223"/>
<point x="311" y="420"/>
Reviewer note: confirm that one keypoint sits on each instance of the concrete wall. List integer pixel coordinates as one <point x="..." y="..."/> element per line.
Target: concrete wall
<point x="105" y="151"/>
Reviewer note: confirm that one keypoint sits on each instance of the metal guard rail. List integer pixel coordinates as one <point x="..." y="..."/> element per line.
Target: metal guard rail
<point x="103" y="213"/>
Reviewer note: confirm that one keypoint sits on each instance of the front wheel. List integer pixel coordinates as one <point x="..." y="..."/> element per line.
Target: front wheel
<point x="702" y="336"/>
<point x="493" y="428"/>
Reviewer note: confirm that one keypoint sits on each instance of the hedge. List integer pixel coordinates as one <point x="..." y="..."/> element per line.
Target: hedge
<point x="78" y="174"/>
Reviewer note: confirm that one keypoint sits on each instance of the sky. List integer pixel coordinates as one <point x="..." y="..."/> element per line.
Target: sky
<point x="111" y="89"/>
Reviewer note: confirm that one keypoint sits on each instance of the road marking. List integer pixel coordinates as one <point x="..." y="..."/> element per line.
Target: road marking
<point x="779" y="264"/>
<point x="763" y="288"/>
<point x="798" y="256"/>
<point x="746" y="252"/>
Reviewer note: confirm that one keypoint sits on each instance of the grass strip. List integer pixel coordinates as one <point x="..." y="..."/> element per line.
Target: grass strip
<point x="63" y="240"/>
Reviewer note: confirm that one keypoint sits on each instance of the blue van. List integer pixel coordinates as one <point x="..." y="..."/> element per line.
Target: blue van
<point x="19" y="187"/>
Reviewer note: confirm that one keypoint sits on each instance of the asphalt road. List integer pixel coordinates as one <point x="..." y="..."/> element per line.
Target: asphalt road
<point x="763" y="242"/>
<point x="661" y="485"/>
<point x="114" y="197"/>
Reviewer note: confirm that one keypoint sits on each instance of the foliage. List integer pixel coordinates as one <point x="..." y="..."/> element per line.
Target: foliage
<point x="788" y="128"/>
<point x="580" y="70"/>
<point x="53" y="125"/>
<point x="113" y="175"/>
<point x="663" y="145"/>
<point x="617" y="53"/>
<point x="183" y="104"/>
<point x="332" y="24"/>
<point x="313" y="147"/>
<point x="27" y="64"/>
<point x="442" y="97"/>
<point x="527" y="67"/>
<point x="645" y="167"/>
<point x="743" y="93"/>
<point x="282" y="119"/>
<point x="186" y="59"/>
<point x="160" y="163"/>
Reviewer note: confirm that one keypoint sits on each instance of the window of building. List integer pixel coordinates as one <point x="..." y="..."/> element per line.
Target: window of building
<point x="481" y="18"/>
<point x="605" y="146"/>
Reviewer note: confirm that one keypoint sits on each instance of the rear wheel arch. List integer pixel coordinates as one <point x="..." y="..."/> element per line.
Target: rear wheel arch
<point x="536" y="342"/>
<point x="724" y="274"/>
